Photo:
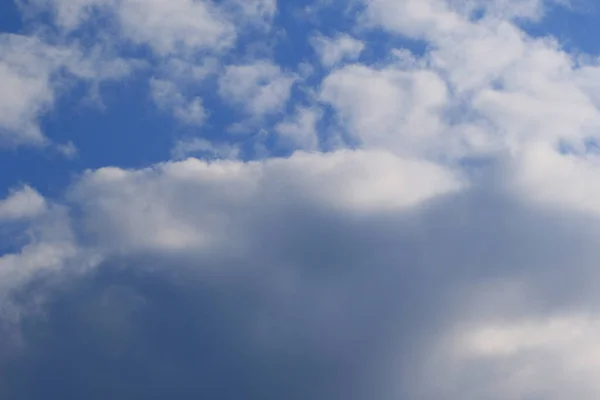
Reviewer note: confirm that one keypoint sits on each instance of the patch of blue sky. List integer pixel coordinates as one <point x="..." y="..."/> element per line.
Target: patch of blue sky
<point x="10" y="17"/>
<point x="575" y="27"/>
<point x="126" y="131"/>
<point x="131" y="132"/>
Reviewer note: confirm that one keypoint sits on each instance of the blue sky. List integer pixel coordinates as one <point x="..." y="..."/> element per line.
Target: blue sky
<point x="110" y="131"/>
<point x="316" y="199"/>
<point x="122" y="128"/>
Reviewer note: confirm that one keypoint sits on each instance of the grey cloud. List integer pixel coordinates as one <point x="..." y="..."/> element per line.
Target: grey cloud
<point x="316" y="304"/>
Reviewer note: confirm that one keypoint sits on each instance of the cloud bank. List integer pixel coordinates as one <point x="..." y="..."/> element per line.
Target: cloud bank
<point x="420" y="224"/>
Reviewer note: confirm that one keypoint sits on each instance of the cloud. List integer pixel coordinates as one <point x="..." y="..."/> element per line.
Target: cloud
<point x="32" y="73"/>
<point x="68" y="150"/>
<point x="197" y="147"/>
<point x="435" y="18"/>
<point x="168" y="27"/>
<point x="447" y="250"/>
<point x="41" y="246"/>
<point x="300" y="131"/>
<point x="276" y="271"/>
<point x="166" y="95"/>
<point x="254" y="12"/>
<point x="340" y="48"/>
<point x="259" y="88"/>
<point x="24" y="202"/>
<point x="26" y="68"/>
<point x="529" y="103"/>
<point x="171" y="216"/>
<point x="389" y="107"/>
<point x="558" y="343"/>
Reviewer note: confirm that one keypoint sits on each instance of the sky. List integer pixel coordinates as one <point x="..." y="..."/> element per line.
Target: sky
<point x="311" y="199"/>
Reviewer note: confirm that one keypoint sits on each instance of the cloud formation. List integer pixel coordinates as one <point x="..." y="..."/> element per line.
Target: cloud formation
<point x="260" y="88"/>
<point x="22" y="203"/>
<point x="420" y="224"/>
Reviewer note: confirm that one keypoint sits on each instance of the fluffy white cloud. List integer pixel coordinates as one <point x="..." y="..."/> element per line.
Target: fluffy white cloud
<point x="22" y="203"/>
<point x="174" y="27"/>
<point x="337" y="49"/>
<point x="413" y="17"/>
<point x="169" y="26"/>
<point x="30" y="75"/>
<point x="166" y="95"/>
<point x="300" y="131"/>
<point x="187" y="205"/>
<point x="41" y="246"/>
<point x="436" y="18"/>
<point x="178" y="26"/>
<point x="552" y="357"/>
<point x="390" y="107"/>
<point x="260" y="88"/>
<point x="26" y="69"/>
<point x="527" y="104"/>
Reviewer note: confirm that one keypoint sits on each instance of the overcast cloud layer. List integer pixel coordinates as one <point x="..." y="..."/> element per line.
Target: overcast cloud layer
<point x="251" y="199"/>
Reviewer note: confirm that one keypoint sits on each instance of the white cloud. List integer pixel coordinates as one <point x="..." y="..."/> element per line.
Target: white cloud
<point x="168" y="27"/>
<point x="22" y="203"/>
<point x="26" y="68"/>
<point x="553" y="357"/>
<point x="45" y="247"/>
<point x="166" y="95"/>
<point x="176" y="25"/>
<point x="415" y="18"/>
<point x="436" y="18"/>
<point x="260" y="88"/>
<point x="31" y="73"/>
<point x="552" y="179"/>
<point x="526" y="98"/>
<point x="340" y="48"/>
<point x="187" y="205"/>
<point x="507" y="9"/>
<point x="390" y="107"/>
<point x="180" y="70"/>
<point x="254" y="11"/>
<point x="182" y="27"/>
<point x="198" y="147"/>
<point x="69" y="150"/>
<point x="300" y="131"/>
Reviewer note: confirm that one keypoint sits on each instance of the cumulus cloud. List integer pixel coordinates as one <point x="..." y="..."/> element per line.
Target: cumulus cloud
<point x="300" y="131"/>
<point x="281" y="269"/>
<point x="169" y="26"/>
<point x="388" y="107"/>
<point x="254" y="12"/>
<point x="26" y="87"/>
<point x="25" y="202"/>
<point x="31" y="73"/>
<point x="259" y="88"/>
<point x="37" y="242"/>
<point x="448" y="251"/>
<point x="166" y="26"/>
<point x="525" y="102"/>
<point x="172" y="215"/>
<point x="337" y="49"/>
<point x="167" y="97"/>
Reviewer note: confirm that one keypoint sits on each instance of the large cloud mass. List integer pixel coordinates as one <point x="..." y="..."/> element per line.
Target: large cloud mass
<point x="432" y="231"/>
